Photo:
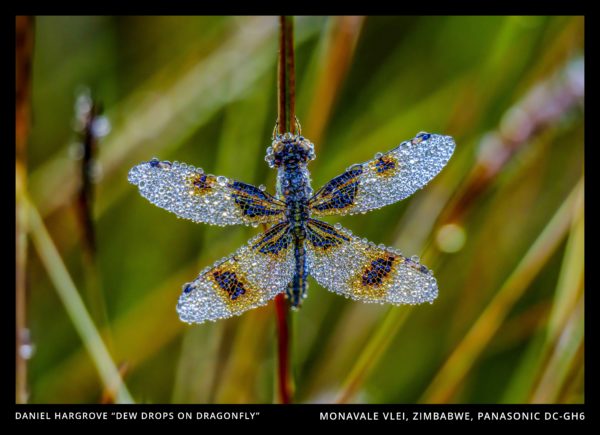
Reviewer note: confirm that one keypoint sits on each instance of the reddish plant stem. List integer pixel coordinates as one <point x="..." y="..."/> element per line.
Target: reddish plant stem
<point x="24" y="52"/>
<point x="285" y="385"/>
<point x="286" y="123"/>
<point x="286" y="83"/>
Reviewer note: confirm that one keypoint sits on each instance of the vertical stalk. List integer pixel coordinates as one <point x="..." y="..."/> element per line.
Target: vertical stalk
<point x="286" y="82"/>
<point x="285" y="383"/>
<point x="88" y="114"/>
<point x="85" y="197"/>
<point x="24" y="51"/>
<point x="286" y="96"/>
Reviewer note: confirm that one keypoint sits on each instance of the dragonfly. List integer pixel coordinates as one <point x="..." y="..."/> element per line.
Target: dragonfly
<point x="297" y="243"/>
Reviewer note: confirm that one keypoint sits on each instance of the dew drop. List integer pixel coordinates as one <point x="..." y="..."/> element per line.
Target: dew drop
<point x="26" y="350"/>
<point x="221" y="180"/>
<point x="101" y="126"/>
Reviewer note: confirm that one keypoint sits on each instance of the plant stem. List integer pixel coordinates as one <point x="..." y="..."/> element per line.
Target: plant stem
<point x="286" y="82"/>
<point x="286" y="96"/>
<point x="86" y="191"/>
<point x="24" y="51"/>
<point x="284" y="377"/>
<point x="88" y="114"/>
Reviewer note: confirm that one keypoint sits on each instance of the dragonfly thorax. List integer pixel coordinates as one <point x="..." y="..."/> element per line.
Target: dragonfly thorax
<point x="289" y="150"/>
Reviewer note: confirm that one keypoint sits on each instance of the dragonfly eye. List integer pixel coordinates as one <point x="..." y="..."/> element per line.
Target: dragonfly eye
<point x="289" y="149"/>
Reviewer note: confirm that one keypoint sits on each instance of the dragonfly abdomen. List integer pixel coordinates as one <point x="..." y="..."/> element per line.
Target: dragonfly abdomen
<point x="294" y="187"/>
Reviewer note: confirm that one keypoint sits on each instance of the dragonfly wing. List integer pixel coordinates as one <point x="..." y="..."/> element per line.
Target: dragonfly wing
<point x="357" y="269"/>
<point x="386" y="179"/>
<point x="191" y="194"/>
<point x="249" y="278"/>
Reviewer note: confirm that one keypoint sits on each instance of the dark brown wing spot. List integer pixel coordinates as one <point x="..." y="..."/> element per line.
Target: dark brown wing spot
<point x="229" y="283"/>
<point x="376" y="273"/>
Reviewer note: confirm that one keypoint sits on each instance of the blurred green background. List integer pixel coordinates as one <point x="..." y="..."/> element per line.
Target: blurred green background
<point x="501" y="226"/>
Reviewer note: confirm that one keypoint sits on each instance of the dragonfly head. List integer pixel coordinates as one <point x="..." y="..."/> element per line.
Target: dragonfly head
<point x="290" y="150"/>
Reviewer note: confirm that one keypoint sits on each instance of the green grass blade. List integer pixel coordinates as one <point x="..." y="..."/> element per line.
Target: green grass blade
<point x="465" y="354"/>
<point x="73" y="303"/>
